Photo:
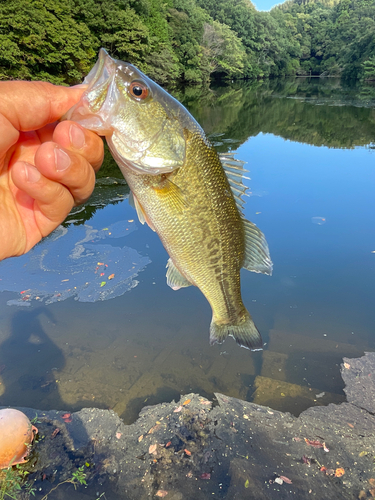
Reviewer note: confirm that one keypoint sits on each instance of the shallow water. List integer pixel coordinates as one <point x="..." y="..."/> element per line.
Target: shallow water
<point x="88" y="320"/>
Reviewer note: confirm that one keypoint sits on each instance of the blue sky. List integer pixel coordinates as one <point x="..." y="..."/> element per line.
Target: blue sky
<point x="265" y="4"/>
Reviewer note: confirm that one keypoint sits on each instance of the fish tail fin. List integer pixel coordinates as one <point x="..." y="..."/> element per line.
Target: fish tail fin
<point x="244" y="332"/>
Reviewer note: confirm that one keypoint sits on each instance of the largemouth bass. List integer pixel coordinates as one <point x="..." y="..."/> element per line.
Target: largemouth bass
<point x="181" y="188"/>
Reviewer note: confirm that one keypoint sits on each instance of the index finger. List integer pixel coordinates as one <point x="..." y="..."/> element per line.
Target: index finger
<point x="32" y="105"/>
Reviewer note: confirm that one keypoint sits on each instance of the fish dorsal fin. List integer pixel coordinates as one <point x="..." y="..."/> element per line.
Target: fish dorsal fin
<point x="234" y="171"/>
<point x="257" y="255"/>
<point x="174" y="278"/>
<point x="133" y="202"/>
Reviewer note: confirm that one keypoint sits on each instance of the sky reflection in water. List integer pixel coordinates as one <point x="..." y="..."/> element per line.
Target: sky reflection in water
<point x="316" y="207"/>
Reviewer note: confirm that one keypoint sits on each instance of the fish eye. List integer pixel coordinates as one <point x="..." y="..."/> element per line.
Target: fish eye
<point x="139" y="90"/>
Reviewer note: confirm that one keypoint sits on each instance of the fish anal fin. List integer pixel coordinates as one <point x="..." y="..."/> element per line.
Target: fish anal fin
<point x="257" y="255"/>
<point x="171" y="193"/>
<point x="174" y="278"/>
<point x="244" y="332"/>
<point x="133" y="201"/>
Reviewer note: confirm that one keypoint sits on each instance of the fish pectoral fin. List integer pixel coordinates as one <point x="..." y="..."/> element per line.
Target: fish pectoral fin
<point x="244" y="332"/>
<point x="257" y="255"/>
<point x="174" y="278"/>
<point x="172" y="194"/>
<point x="133" y="202"/>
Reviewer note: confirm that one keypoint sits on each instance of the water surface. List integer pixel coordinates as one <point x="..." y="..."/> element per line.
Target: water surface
<point x="88" y="320"/>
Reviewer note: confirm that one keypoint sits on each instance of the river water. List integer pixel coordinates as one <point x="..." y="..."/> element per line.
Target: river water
<point x="88" y="320"/>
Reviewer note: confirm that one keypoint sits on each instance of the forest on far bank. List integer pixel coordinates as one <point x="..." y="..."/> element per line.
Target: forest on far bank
<point x="188" y="41"/>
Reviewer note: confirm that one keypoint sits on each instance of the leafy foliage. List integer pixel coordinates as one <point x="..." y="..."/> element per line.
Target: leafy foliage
<point x="188" y="40"/>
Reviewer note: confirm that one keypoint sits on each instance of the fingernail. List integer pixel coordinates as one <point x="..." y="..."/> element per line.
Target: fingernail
<point x="62" y="159"/>
<point x="32" y="173"/>
<point x="77" y="137"/>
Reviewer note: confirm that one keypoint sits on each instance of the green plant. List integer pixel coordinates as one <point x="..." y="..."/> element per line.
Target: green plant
<point x="78" y="477"/>
<point x="12" y="481"/>
<point x="35" y="420"/>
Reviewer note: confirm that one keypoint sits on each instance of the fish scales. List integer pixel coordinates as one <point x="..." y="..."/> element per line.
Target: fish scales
<point x="205" y="240"/>
<point x="181" y="188"/>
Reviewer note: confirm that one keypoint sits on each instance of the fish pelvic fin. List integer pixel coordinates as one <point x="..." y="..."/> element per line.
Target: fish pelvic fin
<point x="133" y="202"/>
<point x="245" y="333"/>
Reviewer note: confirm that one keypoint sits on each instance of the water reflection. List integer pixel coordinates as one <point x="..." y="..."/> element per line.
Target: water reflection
<point x="317" y="112"/>
<point x="72" y="263"/>
<point x="151" y="344"/>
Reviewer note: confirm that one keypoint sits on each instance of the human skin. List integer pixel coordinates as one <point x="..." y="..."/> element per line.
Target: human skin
<point x="46" y="167"/>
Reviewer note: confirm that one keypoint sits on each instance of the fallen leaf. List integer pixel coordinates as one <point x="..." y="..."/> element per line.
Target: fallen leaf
<point x="278" y="480"/>
<point x="188" y="453"/>
<point x="372" y="481"/>
<point x="286" y="479"/>
<point x="323" y="469"/>
<point x="372" y="492"/>
<point x="350" y="425"/>
<point x="347" y="366"/>
<point x="363" y="454"/>
<point x="55" y="432"/>
<point x="205" y="475"/>
<point x="362" y="495"/>
<point x="102" y="274"/>
<point x="325" y="448"/>
<point x="247" y="483"/>
<point x="67" y="417"/>
<point x="161" y="493"/>
<point x="152" y="449"/>
<point x="153" y="429"/>
<point x="100" y="264"/>
<point x="168" y="444"/>
<point x="140" y="438"/>
<point x="103" y="283"/>
<point x="306" y="460"/>
<point x="111" y="276"/>
<point x="176" y="410"/>
<point x="118" y="435"/>
<point x="186" y="402"/>
<point x="315" y="444"/>
<point x="339" y="472"/>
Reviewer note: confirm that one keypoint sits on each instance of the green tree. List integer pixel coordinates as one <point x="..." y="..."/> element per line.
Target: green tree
<point x="224" y="50"/>
<point x="41" y="41"/>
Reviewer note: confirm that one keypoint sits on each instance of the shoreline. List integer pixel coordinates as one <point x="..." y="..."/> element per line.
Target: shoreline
<point x="232" y="449"/>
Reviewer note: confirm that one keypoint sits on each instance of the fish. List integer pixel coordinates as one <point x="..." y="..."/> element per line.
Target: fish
<point x="181" y="188"/>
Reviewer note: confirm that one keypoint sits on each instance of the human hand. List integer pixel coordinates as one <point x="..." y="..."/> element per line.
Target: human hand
<point x="45" y="167"/>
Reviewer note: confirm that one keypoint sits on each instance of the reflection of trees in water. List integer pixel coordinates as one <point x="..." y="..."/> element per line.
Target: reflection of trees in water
<point x="321" y="112"/>
<point x="313" y="111"/>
